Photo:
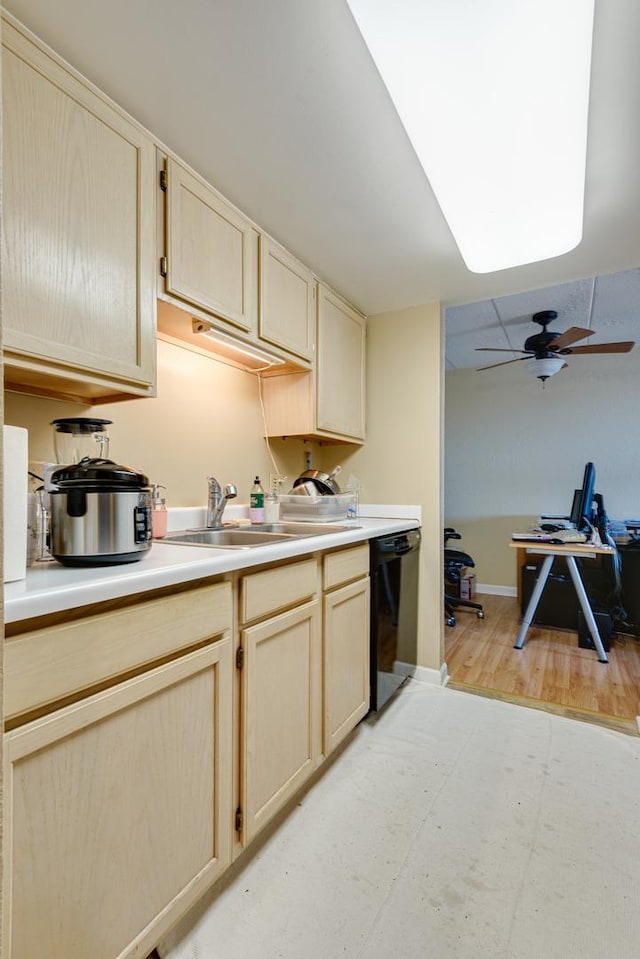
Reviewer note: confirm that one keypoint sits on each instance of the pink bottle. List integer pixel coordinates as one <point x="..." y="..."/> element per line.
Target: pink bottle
<point x="158" y="512"/>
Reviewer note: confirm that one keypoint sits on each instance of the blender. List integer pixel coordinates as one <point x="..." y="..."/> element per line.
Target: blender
<point x="80" y="437"/>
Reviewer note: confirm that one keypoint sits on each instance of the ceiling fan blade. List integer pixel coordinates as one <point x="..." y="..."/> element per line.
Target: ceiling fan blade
<point x="572" y="335"/>
<point x="625" y="346"/>
<point x="518" y="359"/>
<point x="500" y="349"/>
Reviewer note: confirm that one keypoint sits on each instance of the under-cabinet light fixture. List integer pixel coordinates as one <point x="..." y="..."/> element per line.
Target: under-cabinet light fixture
<point x="494" y="97"/>
<point x="233" y="346"/>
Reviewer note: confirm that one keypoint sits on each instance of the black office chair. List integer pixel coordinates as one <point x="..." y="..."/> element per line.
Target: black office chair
<point x="455" y="562"/>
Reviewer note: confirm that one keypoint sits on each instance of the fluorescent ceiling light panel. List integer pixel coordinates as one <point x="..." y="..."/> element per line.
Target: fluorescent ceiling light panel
<point x="494" y="96"/>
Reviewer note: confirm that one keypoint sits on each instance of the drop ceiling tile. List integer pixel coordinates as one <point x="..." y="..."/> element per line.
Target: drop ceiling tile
<point x="468" y="327"/>
<point x="616" y="307"/>
<point x="572" y="302"/>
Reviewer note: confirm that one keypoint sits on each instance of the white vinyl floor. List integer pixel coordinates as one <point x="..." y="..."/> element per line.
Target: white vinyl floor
<point x="452" y="827"/>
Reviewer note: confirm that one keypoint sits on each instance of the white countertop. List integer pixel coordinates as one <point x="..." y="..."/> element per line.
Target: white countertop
<point x="51" y="587"/>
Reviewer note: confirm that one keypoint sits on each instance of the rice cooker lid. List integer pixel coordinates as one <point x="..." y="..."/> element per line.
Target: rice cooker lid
<point x="99" y="476"/>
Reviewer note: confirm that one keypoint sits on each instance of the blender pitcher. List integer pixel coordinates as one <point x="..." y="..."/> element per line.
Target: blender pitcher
<point x="78" y="437"/>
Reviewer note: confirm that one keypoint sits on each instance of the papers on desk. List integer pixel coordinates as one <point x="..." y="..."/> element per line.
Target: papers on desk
<point x="572" y="536"/>
<point x="560" y="536"/>
<point x="533" y="537"/>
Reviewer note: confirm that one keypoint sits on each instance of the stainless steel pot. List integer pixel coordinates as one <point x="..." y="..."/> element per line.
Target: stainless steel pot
<point x="325" y="482"/>
<point x="305" y="488"/>
<point x="100" y="514"/>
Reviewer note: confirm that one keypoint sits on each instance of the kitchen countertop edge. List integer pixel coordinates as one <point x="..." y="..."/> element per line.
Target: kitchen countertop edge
<point x="53" y="588"/>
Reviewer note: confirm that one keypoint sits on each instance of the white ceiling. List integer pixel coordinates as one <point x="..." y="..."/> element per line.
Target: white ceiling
<point x="278" y="104"/>
<point x="608" y="304"/>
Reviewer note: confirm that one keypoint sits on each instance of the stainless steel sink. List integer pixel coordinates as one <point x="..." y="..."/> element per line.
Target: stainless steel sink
<point x="225" y="538"/>
<point x="298" y="529"/>
<point x="246" y="537"/>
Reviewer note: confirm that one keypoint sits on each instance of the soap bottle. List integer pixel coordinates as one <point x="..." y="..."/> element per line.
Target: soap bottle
<point x="256" y="502"/>
<point x="158" y="512"/>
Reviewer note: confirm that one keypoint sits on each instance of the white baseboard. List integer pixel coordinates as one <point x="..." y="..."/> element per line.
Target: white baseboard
<point x="431" y="677"/>
<point x="496" y="590"/>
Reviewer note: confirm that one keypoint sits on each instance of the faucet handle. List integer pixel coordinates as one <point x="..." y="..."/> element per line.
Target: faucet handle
<point x="214" y="485"/>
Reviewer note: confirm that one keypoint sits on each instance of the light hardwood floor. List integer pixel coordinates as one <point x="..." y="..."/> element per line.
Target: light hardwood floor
<point x="551" y="671"/>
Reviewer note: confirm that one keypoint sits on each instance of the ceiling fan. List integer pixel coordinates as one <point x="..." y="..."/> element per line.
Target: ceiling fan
<point x="545" y="350"/>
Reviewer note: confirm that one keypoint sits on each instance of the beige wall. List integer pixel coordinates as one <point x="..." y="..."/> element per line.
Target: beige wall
<point x="206" y="419"/>
<point x="401" y="461"/>
<point x="514" y="450"/>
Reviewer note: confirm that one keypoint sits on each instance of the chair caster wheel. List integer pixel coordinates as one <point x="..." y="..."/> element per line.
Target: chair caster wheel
<point x="451" y="621"/>
<point x="480" y="614"/>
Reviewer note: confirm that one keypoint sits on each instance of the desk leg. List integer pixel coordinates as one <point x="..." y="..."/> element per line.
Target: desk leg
<point x="586" y="608"/>
<point x="527" y="619"/>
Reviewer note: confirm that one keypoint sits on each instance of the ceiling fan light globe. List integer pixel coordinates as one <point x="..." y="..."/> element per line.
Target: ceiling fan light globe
<point x="544" y="367"/>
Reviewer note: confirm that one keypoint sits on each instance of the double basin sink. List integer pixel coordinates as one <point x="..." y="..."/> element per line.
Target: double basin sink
<point x="246" y="537"/>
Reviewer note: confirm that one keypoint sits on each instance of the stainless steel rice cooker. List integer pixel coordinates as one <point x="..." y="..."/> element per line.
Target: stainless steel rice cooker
<point x="100" y="514"/>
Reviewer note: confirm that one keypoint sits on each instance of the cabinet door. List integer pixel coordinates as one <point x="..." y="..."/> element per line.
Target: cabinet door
<point x="78" y="226"/>
<point x="119" y="812"/>
<point x="346" y="660"/>
<point x="211" y="250"/>
<point x="287" y="300"/>
<point x="281" y="711"/>
<point x="340" y="366"/>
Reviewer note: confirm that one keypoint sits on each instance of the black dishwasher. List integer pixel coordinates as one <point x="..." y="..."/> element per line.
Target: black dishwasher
<point x="394" y="612"/>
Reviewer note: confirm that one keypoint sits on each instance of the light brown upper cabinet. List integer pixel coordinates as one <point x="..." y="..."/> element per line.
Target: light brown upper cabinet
<point x="287" y="300"/>
<point x="329" y="403"/>
<point x="211" y="250"/>
<point x="78" y="234"/>
<point x="340" y="366"/>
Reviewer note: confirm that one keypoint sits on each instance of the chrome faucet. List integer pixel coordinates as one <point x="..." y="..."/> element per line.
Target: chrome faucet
<point x="217" y="501"/>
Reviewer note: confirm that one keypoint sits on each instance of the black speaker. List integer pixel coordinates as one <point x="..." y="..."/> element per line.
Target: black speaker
<point x="558" y="606"/>
<point x="603" y="622"/>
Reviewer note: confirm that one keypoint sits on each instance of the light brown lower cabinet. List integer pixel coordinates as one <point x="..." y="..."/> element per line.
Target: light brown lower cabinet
<point x="133" y="775"/>
<point x="281" y="711"/>
<point x="118" y="791"/>
<point x="346" y="640"/>
<point x="346" y="661"/>
<point x="118" y="811"/>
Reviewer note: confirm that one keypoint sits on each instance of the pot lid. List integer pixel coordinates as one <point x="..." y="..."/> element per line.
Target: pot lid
<point x="80" y="424"/>
<point x="98" y="475"/>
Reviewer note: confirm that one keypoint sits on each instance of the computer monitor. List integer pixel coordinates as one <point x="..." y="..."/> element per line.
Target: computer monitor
<point x="575" y="507"/>
<point x="582" y="508"/>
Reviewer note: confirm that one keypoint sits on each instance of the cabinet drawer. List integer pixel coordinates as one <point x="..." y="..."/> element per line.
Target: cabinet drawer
<point x="274" y="589"/>
<point x="345" y="565"/>
<point x="49" y="664"/>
